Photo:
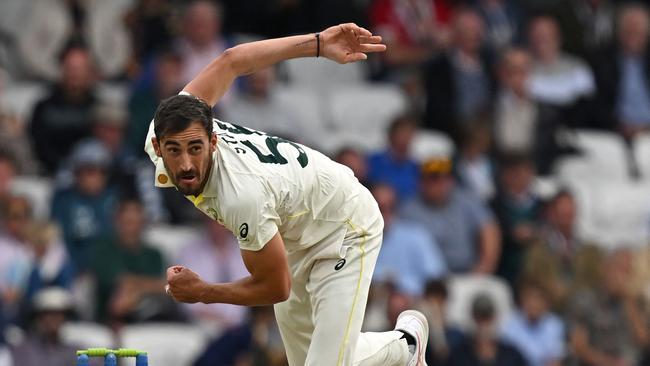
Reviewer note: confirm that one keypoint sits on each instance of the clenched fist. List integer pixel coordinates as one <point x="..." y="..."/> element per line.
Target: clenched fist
<point x="184" y="285"/>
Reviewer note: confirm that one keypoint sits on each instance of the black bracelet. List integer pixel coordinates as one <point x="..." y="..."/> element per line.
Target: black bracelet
<point x="317" y="44"/>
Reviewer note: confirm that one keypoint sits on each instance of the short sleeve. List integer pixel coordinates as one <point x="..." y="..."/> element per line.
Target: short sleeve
<point x="479" y="213"/>
<point x="252" y="219"/>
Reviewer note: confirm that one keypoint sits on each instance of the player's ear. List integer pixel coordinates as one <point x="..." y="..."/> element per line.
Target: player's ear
<point x="156" y="146"/>
<point x="213" y="142"/>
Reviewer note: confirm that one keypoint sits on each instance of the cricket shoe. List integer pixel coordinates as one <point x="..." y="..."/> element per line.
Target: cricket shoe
<point x="415" y="324"/>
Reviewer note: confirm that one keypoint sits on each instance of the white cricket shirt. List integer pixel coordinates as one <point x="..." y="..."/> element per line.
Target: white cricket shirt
<point x="261" y="184"/>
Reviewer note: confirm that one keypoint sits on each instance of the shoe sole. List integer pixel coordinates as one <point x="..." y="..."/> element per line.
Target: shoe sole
<point x="422" y="343"/>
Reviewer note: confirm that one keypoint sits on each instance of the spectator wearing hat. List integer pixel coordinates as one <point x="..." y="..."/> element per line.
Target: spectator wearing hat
<point x="463" y="227"/>
<point x="394" y="166"/>
<point x="409" y="257"/>
<point x="483" y="346"/>
<point x="84" y="209"/>
<point x="43" y="344"/>
<point x="532" y="329"/>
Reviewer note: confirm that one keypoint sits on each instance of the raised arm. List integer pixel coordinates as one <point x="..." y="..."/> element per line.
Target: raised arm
<point x="341" y="43"/>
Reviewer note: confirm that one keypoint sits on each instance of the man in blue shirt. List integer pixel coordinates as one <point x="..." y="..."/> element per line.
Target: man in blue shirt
<point x="394" y="166"/>
<point x="461" y="224"/>
<point x="410" y="256"/>
<point x="533" y="330"/>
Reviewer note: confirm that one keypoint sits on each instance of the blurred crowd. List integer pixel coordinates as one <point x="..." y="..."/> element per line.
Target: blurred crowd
<point x="497" y="264"/>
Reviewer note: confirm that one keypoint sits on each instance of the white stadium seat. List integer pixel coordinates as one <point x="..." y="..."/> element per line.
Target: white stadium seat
<point x="323" y="74"/>
<point x="38" y="191"/>
<point x="21" y="98"/>
<point x="463" y="289"/>
<point x="87" y="335"/>
<point x="642" y="154"/>
<point x="361" y="115"/>
<point x="603" y="157"/>
<point x="170" y="239"/>
<point x="166" y="343"/>
<point x="613" y="214"/>
<point x="307" y="106"/>
<point x="427" y="144"/>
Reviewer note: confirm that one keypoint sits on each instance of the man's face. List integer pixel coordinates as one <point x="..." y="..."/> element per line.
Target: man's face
<point x="187" y="156"/>
<point x="544" y="38"/>
<point x="386" y="200"/>
<point x="633" y="31"/>
<point x="91" y="180"/>
<point x="533" y="303"/>
<point x="515" y="71"/>
<point x="130" y="223"/>
<point x="77" y="71"/>
<point x="436" y="189"/>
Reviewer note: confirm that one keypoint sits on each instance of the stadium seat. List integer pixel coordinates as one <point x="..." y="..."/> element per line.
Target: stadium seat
<point x="21" y="99"/>
<point x="167" y="343"/>
<point x="306" y="104"/>
<point x="642" y="155"/>
<point x="603" y="156"/>
<point x="38" y="190"/>
<point x="170" y="239"/>
<point x="361" y="115"/>
<point x="87" y="335"/>
<point x="463" y="289"/>
<point x="613" y="214"/>
<point x="427" y="144"/>
<point x="323" y="74"/>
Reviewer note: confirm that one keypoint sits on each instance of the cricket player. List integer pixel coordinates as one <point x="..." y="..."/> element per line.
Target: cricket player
<point x="309" y="232"/>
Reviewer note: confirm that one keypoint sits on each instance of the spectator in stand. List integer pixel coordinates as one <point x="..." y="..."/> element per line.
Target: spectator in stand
<point x="622" y="74"/>
<point x="54" y="25"/>
<point x="14" y="253"/>
<point x="413" y="30"/>
<point x="167" y="81"/>
<point x="474" y="167"/>
<point x="257" y="107"/>
<point x="149" y="22"/>
<point x="50" y="263"/>
<point x="518" y="210"/>
<point x="394" y="166"/>
<point x="129" y="273"/>
<point x="443" y="337"/>
<point x="607" y="324"/>
<point x="84" y="210"/>
<point x="557" y="78"/>
<point x="409" y="257"/>
<point x="7" y="174"/>
<point x="483" y="347"/>
<point x="533" y="329"/>
<point x="13" y="132"/>
<point x="201" y="40"/>
<point x="461" y="224"/>
<point x="502" y="22"/>
<point x="217" y="259"/>
<point x="561" y="260"/>
<point x="522" y="124"/>
<point x="256" y="343"/>
<point x="354" y="160"/>
<point x="43" y="344"/>
<point x="459" y="84"/>
<point x="64" y="117"/>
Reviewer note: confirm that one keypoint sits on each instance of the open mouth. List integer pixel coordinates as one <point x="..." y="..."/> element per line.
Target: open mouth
<point x="188" y="178"/>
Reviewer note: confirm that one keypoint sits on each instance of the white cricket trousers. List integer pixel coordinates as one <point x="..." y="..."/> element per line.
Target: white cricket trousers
<point x="321" y="320"/>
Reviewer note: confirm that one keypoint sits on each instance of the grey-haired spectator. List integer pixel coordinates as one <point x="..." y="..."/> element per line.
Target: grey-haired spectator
<point x="622" y="72"/>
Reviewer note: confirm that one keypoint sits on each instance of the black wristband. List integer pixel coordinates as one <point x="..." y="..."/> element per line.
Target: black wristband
<point x="317" y="44"/>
